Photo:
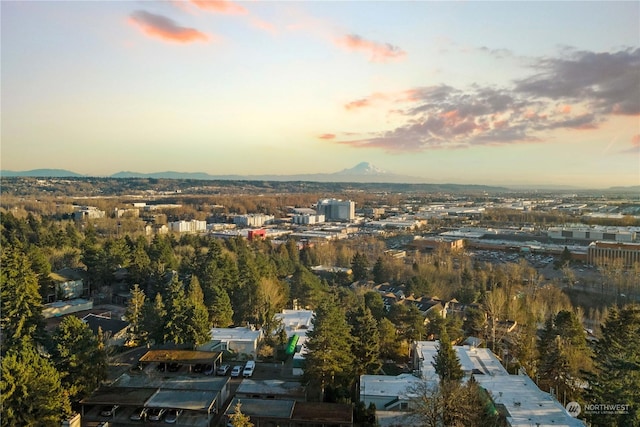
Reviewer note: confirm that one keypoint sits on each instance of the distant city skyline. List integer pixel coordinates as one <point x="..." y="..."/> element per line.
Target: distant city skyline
<point x="463" y="92"/>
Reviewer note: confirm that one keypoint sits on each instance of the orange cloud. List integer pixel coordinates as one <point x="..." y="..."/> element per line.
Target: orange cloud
<point x="220" y="6"/>
<point x="635" y="140"/>
<point x="564" y="109"/>
<point x="164" y="28"/>
<point x="380" y="52"/>
<point x="327" y="136"/>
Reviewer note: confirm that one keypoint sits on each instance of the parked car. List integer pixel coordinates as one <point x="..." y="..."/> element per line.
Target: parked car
<point x="161" y="367"/>
<point x="172" y="416"/>
<point x="248" y="369"/>
<point x="223" y="370"/>
<point x="208" y="370"/>
<point x="108" y="411"/>
<point x="197" y="367"/>
<point x="139" y="414"/>
<point x="236" y="371"/>
<point x="174" y="367"/>
<point x="155" y="414"/>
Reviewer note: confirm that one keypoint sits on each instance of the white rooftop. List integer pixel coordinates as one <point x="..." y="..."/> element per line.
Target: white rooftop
<point x="386" y="385"/>
<point x="526" y="403"/>
<point x="479" y="361"/>
<point x="235" y="334"/>
<point x="296" y="320"/>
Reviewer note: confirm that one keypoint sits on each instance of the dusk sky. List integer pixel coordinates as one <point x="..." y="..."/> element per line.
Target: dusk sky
<point x="463" y="92"/>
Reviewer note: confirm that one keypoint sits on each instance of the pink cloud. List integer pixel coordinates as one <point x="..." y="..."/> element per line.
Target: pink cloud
<point x="220" y="6"/>
<point x="635" y="141"/>
<point x="163" y="28"/>
<point x="327" y="136"/>
<point x="380" y="52"/>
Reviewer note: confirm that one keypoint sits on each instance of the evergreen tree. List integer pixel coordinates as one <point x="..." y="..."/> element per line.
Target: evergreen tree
<point x="79" y="358"/>
<point x="329" y="359"/>
<point x="374" y="302"/>
<point x="21" y="304"/>
<point x="616" y="377"/>
<point x="366" y="342"/>
<point x="445" y="361"/>
<point x="381" y="272"/>
<point x="31" y="393"/>
<point x="134" y="313"/>
<point x="198" y="326"/>
<point x="360" y="266"/>
<point x="140" y="266"/>
<point x="153" y="320"/>
<point x="220" y="310"/>
<point x="306" y="287"/>
<point x="176" y="319"/>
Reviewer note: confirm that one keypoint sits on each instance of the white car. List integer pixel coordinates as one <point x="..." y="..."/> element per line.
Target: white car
<point x="236" y="371"/>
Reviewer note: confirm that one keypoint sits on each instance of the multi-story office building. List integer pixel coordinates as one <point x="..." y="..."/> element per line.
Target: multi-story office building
<point x="252" y="220"/>
<point x="336" y="210"/>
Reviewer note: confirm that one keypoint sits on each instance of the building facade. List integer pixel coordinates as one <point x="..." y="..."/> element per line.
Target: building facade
<point x="336" y="210"/>
<point x="601" y="253"/>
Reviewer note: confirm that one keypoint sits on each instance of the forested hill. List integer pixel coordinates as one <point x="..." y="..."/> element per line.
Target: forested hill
<point x="85" y="186"/>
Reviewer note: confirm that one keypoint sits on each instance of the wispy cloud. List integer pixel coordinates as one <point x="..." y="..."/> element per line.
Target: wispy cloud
<point x="220" y="6"/>
<point x="327" y="136"/>
<point x="575" y="93"/>
<point x="163" y="28"/>
<point x="378" y="52"/>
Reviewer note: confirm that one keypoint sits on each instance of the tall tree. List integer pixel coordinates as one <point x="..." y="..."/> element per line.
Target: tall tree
<point x="176" y="318"/>
<point x="153" y="320"/>
<point x="616" y="377"/>
<point x="31" y="393"/>
<point x="21" y="303"/>
<point x="79" y="357"/>
<point x="360" y="266"/>
<point x="134" y="313"/>
<point x="329" y="359"/>
<point x="219" y="308"/>
<point x="366" y="342"/>
<point x="198" y="325"/>
<point x="445" y="361"/>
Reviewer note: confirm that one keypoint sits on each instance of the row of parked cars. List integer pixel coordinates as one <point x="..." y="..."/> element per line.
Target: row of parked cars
<point x="146" y="414"/>
<point x="245" y="370"/>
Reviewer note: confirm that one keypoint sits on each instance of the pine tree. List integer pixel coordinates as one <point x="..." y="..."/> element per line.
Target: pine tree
<point x="176" y="319"/>
<point x="78" y="356"/>
<point x="198" y="326"/>
<point x="329" y="360"/>
<point x="21" y="305"/>
<point x="360" y="266"/>
<point x="134" y="313"/>
<point x="616" y="377"/>
<point x="366" y="342"/>
<point x="153" y="320"/>
<point x="31" y="393"/>
<point x="445" y="361"/>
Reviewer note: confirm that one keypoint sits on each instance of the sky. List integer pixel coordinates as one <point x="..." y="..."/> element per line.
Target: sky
<point x="470" y="92"/>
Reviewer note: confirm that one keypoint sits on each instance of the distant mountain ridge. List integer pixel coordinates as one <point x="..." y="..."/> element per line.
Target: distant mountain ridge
<point x="43" y="173"/>
<point x="363" y="172"/>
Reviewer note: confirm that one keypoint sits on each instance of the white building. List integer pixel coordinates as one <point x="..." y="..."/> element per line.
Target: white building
<point x="306" y="219"/>
<point x="243" y="341"/>
<point x="252" y="220"/>
<point x="193" y="226"/>
<point x="336" y="210"/>
<point x="87" y="212"/>
<point x="387" y="392"/>
<point x="613" y="234"/>
<point x="297" y="323"/>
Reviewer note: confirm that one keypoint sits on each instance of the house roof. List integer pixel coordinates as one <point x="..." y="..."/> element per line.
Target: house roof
<point x="106" y="324"/>
<point x="323" y="412"/>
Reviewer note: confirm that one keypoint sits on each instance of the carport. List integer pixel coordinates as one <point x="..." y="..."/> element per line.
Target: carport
<point x="121" y="396"/>
<point x="189" y="400"/>
<point x="183" y="357"/>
